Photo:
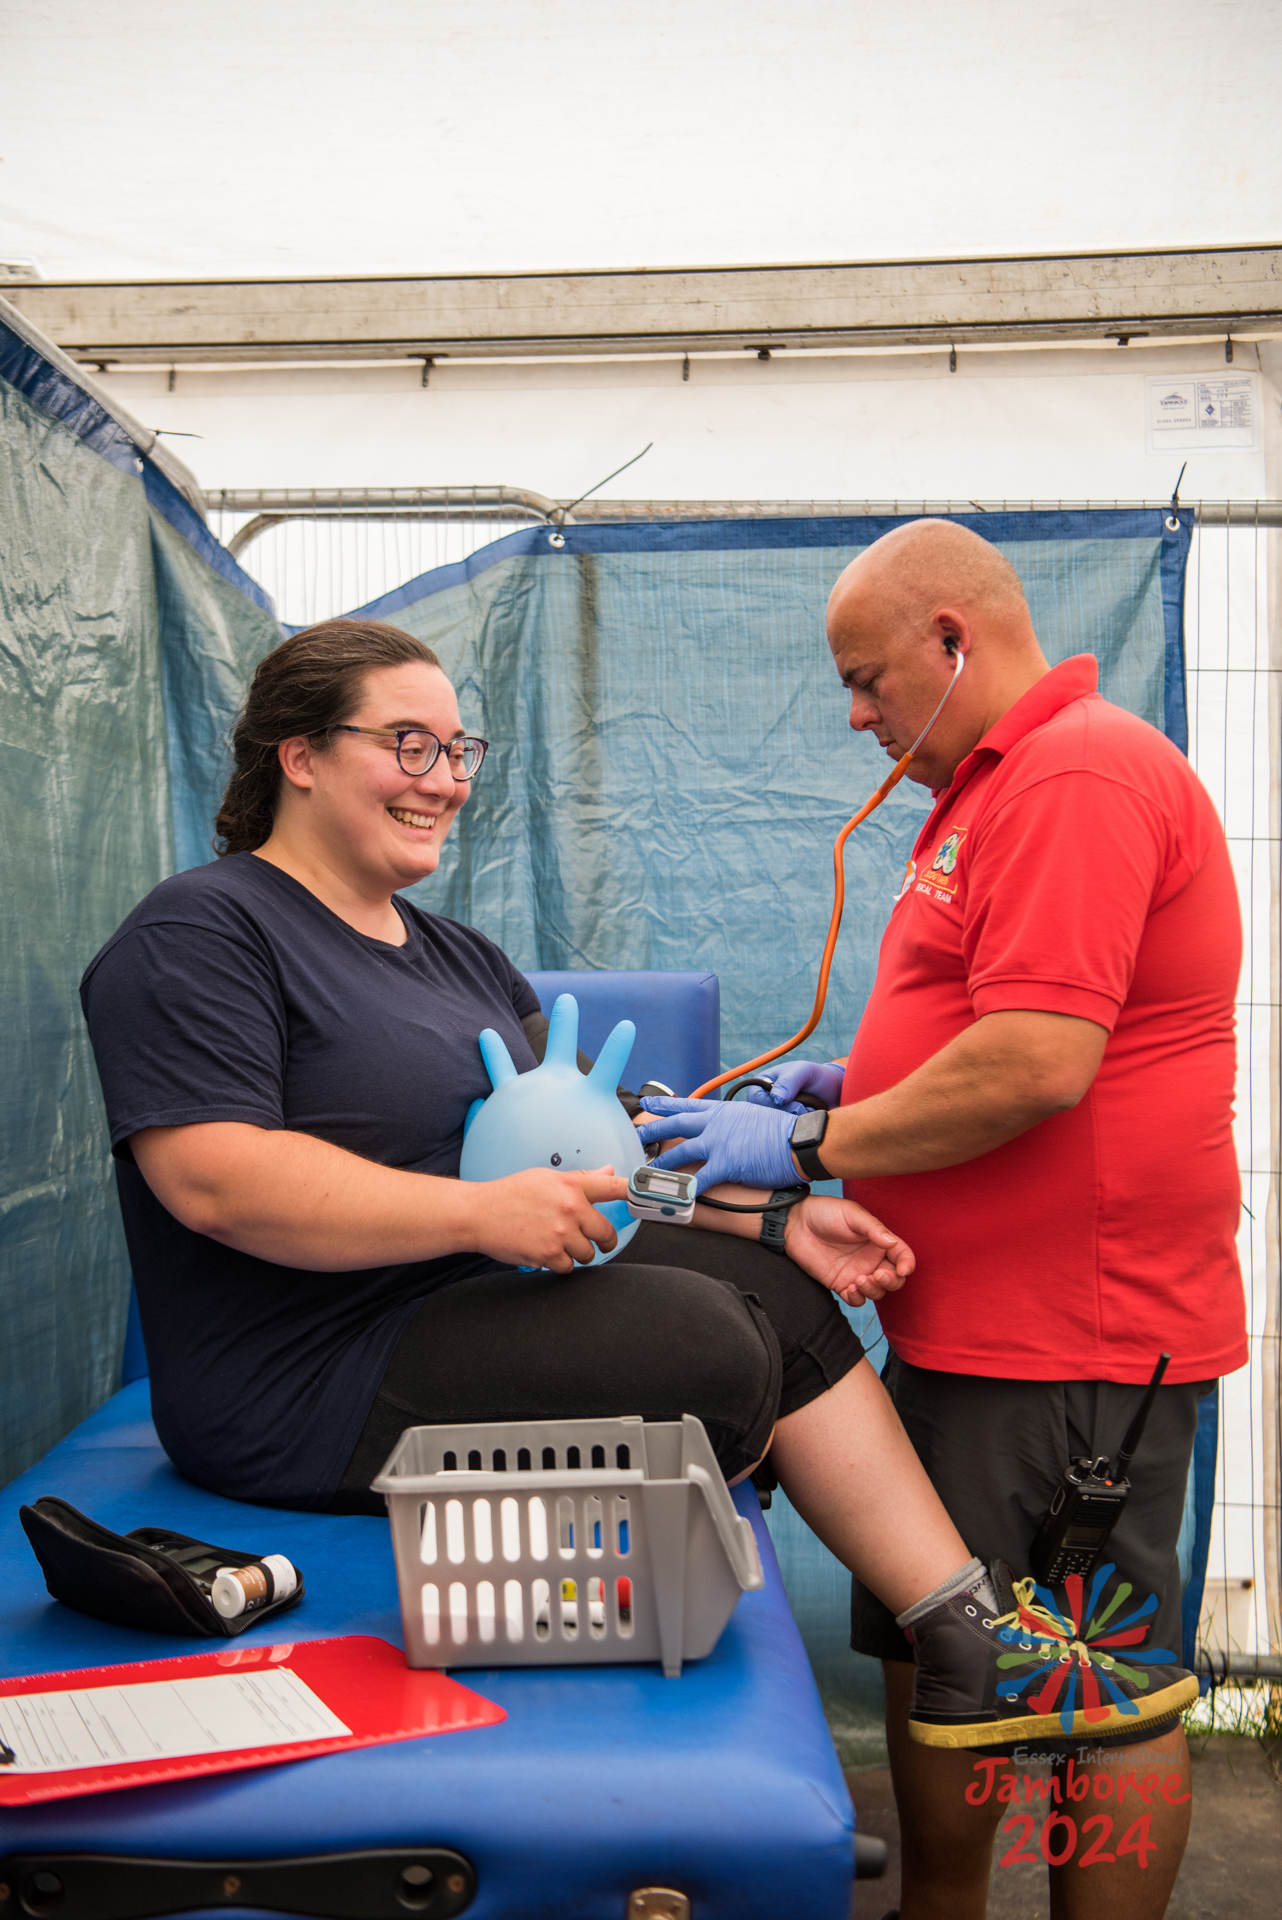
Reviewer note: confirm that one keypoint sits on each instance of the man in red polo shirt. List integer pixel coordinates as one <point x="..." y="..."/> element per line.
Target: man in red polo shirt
<point x="1039" y="1098"/>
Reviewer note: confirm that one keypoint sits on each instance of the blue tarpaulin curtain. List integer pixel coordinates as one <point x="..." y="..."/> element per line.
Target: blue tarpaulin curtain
<point x="671" y="758"/>
<point x="126" y="636"/>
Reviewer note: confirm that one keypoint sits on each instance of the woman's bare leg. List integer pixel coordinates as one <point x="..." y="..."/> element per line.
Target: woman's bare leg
<point x="849" y="1469"/>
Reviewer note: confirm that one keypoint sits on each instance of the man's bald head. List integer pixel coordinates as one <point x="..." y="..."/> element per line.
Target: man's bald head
<point x="915" y="569"/>
<point x="899" y="617"/>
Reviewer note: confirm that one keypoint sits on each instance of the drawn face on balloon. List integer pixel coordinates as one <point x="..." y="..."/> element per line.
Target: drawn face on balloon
<point x="555" y="1116"/>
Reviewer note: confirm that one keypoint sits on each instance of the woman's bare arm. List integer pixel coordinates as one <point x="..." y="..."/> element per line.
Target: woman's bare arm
<point x="302" y="1202"/>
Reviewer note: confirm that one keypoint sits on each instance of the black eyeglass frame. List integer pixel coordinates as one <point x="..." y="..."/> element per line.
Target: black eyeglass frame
<point x="397" y="736"/>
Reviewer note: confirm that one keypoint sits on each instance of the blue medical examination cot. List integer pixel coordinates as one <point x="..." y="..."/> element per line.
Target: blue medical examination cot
<point x="722" y="1786"/>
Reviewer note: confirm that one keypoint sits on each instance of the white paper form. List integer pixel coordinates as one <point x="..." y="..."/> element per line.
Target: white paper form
<point x="162" y="1720"/>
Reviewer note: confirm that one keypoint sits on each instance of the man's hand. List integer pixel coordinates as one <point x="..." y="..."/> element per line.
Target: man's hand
<point x="732" y="1140"/>
<point x="546" y="1219"/>
<point x="846" y="1249"/>
<point x="823" y="1081"/>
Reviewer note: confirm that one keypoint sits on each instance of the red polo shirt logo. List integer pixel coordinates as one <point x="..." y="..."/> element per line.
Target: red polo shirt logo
<point x="942" y="878"/>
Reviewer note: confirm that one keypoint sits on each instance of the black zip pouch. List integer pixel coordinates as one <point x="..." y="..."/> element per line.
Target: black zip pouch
<point x="158" y="1581"/>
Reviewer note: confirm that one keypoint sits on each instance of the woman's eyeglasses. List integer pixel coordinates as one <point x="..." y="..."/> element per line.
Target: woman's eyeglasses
<point x="417" y="750"/>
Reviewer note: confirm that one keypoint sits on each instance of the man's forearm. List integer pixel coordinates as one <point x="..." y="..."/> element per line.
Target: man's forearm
<point x="991" y="1083"/>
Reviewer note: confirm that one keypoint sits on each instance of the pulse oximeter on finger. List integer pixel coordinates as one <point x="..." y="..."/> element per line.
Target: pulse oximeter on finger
<point x="655" y="1194"/>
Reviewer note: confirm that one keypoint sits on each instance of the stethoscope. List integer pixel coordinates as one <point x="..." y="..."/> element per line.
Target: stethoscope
<point x="839" y="891"/>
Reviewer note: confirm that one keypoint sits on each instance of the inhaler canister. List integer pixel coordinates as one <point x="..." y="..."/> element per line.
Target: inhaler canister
<point x="238" y="1590"/>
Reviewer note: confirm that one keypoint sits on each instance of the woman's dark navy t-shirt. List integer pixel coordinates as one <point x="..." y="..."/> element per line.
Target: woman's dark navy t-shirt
<point x="232" y="993"/>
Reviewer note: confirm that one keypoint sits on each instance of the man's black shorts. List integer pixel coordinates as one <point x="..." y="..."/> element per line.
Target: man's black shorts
<point x="995" y="1451"/>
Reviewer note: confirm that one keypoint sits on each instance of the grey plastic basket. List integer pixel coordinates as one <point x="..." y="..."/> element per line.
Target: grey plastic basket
<point x="564" y="1542"/>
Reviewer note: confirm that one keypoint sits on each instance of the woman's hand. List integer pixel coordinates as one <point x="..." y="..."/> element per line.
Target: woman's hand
<point x="546" y="1219"/>
<point x="847" y="1249"/>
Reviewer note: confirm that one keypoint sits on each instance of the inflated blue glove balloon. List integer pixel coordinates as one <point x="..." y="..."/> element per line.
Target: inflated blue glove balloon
<point x="739" y="1142"/>
<point x="818" y="1078"/>
<point x="555" y="1116"/>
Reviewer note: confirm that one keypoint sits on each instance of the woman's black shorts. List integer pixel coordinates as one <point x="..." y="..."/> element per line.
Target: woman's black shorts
<point x="681" y="1321"/>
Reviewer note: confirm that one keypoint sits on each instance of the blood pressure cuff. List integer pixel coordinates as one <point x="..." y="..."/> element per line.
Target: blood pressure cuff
<point x="151" y="1579"/>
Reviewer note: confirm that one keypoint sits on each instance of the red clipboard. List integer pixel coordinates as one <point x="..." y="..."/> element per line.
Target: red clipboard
<point x="363" y="1680"/>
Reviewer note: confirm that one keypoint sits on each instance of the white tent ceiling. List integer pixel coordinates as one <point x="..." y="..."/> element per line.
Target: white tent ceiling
<point x="313" y="136"/>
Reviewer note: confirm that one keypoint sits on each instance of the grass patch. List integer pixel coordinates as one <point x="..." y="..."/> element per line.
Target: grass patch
<point x="1254" y="1711"/>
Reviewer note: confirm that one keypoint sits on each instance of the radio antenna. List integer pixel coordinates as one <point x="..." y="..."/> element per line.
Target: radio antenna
<point x="1127" y="1451"/>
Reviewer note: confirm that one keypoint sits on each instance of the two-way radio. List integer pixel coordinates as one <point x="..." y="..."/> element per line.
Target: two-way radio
<point x="1088" y="1502"/>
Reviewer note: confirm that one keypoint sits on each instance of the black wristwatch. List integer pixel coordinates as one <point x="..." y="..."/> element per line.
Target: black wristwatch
<point x="774" y="1217"/>
<point x="805" y="1140"/>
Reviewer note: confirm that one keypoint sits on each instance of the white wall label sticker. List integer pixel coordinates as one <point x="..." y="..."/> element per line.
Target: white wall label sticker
<point x="1203" y="413"/>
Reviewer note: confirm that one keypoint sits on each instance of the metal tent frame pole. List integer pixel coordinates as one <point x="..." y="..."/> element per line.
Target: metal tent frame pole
<point x="271" y="507"/>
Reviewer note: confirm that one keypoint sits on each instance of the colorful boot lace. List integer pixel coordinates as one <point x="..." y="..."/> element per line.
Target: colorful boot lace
<point x="1040" y="1668"/>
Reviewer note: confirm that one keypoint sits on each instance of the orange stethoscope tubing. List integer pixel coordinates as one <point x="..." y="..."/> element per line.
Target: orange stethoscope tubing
<point x="838" y="902"/>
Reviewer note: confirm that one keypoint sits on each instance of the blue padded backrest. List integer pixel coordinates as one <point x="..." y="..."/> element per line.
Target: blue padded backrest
<point x="677" y="1016"/>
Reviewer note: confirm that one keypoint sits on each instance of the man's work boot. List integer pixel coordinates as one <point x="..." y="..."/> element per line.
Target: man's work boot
<point x="1038" y="1668"/>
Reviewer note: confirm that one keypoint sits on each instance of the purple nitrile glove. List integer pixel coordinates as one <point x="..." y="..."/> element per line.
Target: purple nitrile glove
<point x="738" y="1142"/>
<point x="823" y="1080"/>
